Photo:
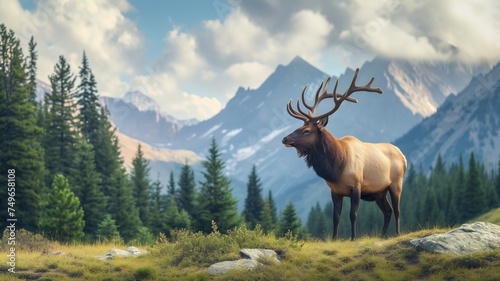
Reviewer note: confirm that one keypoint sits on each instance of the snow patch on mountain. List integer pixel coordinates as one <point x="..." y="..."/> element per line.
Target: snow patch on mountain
<point x="211" y="131"/>
<point x="229" y="135"/>
<point x="273" y="134"/>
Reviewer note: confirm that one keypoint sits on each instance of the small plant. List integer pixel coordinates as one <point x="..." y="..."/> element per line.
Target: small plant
<point x="145" y="273"/>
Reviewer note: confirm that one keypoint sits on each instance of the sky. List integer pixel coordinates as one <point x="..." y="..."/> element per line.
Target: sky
<point x="191" y="56"/>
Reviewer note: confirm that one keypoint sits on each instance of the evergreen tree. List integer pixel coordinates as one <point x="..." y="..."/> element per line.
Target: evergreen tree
<point x="171" y="187"/>
<point x="176" y="219"/>
<point x="107" y="153"/>
<point x="88" y="104"/>
<point x="215" y="201"/>
<point x="33" y="56"/>
<point x="254" y="203"/>
<point x="121" y="206"/>
<point x="289" y="221"/>
<point x="21" y="154"/>
<point x="186" y="192"/>
<point x="61" y="136"/>
<point x="64" y="215"/>
<point x="156" y="215"/>
<point x="272" y="206"/>
<point x="316" y="222"/>
<point x="107" y="230"/>
<point x="139" y="178"/>
<point x="474" y="195"/>
<point x="86" y="186"/>
<point x="267" y="218"/>
<point x="497" y="180"/>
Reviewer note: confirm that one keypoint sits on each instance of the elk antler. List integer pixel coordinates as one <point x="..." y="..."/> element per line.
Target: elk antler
<point x="338" y="99"/>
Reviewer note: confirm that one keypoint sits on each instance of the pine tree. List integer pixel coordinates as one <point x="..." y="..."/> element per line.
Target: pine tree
<point x="267" y="218"/>
<point x="139" y="178"/>
<point x="474" y="195"/>
<point x="171" y="187"/>
<point x="121" y="205"/>
<point x="272" y="206"/>
<point x="254" y="203"/>
<point x="88" y="104"/>
<point x="156" y="215"/>
<point x="497" y="180"/>
<point x="33" y="56"/>
<point x="186" y="192"/>
<point x="176" y="219"/>
<point x="316" y="222"/>
<point x="289" y="221"/>
<point x="61" y="136"/>
<point x="86" y="186"/>
<point x="64" y="215"/>
<point x="107" y="231"/>
<point x="20" y="150"/>
<point x="107" y="153"/>
<point x="215" y="201"/>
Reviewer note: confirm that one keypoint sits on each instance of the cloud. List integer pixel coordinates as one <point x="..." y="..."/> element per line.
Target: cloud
<point x="164" y="89"/>
<point x="201" y="68"/>
<point x="112" y="42"/>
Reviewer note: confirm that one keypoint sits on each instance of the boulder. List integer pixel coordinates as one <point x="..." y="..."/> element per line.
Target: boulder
<point x="129" y="252"/>
<point x="225" y="266"/>
<point x="468" y="238"/>
<point x="260" y="255"/>
<point x="250" y="259"/>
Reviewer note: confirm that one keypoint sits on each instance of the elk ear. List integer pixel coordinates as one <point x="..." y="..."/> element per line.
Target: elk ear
<point x="322" y="122"/>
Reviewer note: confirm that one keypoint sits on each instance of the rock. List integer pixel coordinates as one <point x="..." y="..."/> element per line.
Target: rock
<point x="136" y="251"/>
<point x="129" y="252"/>
<point x="468" y="238"/>
<point x="260" y="255"/>
<point x="225" y="266"/>
<point x="251" y="258"/>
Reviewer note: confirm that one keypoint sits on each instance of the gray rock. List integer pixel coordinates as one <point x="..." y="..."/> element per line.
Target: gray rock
<point x="260" y="255"/>
<point x="136" y="251"/>
<point x="225" y="266"/>
<point x="468" y="238"/>
<point x="129" y="252"/>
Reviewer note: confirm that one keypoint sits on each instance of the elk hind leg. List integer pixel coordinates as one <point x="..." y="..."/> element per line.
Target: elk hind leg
<point x="386" y="209"/>
<point x="395" y="192"/>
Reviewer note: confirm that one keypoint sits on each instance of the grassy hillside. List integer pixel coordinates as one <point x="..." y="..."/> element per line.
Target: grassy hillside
<point x="492" y="216"/>
<point x="368" y="258"/>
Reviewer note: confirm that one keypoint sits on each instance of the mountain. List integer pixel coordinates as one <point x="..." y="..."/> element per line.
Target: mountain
<point x="144" y="103"/>
<point x="469" y="121"/>
<point x="147" y="126"/>
<point x="250" y="128"/>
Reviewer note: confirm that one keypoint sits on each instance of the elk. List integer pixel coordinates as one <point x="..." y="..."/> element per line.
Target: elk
<point x="350" y="167"/>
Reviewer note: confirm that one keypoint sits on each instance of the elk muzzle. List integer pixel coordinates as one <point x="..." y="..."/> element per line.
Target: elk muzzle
<point x="286" y="141"/>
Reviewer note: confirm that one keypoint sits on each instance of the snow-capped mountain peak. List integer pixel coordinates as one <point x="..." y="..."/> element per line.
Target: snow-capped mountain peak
<point x="141" y="101"/>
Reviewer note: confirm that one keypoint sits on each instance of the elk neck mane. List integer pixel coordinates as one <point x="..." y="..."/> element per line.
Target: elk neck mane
<point x="327" y="156"/>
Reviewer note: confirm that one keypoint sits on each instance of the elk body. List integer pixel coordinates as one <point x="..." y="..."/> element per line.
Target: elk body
<point x="350" y="167"/>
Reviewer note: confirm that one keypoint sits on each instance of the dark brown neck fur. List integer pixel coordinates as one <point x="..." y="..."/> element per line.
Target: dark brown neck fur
<point x="327" y="157"/>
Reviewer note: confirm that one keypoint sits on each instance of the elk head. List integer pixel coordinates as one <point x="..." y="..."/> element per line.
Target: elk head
<point x="305" y="137"/>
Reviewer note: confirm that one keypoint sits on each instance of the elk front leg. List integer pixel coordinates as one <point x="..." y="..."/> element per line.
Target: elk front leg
<point x="355" y="198"/>
<point x="337" y="210"/>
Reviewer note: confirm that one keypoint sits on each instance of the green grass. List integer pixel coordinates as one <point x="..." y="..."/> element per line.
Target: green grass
<point x="188" y="256"/>
<point x="492" y="216"/>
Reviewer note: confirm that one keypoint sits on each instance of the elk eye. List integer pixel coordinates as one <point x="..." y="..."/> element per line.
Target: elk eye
<point x="306" y="132"/>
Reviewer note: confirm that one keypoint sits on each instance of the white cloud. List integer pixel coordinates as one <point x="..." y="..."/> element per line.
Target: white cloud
<point x="164" y="89"/>
<point x="62" y="27"/>
<point x="201" y="68"/>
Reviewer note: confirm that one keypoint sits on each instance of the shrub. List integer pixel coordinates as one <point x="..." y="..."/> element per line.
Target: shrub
<point x="189" y="249"/>
<point x="145" y="273"/>
<point x="27" y="241"/>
